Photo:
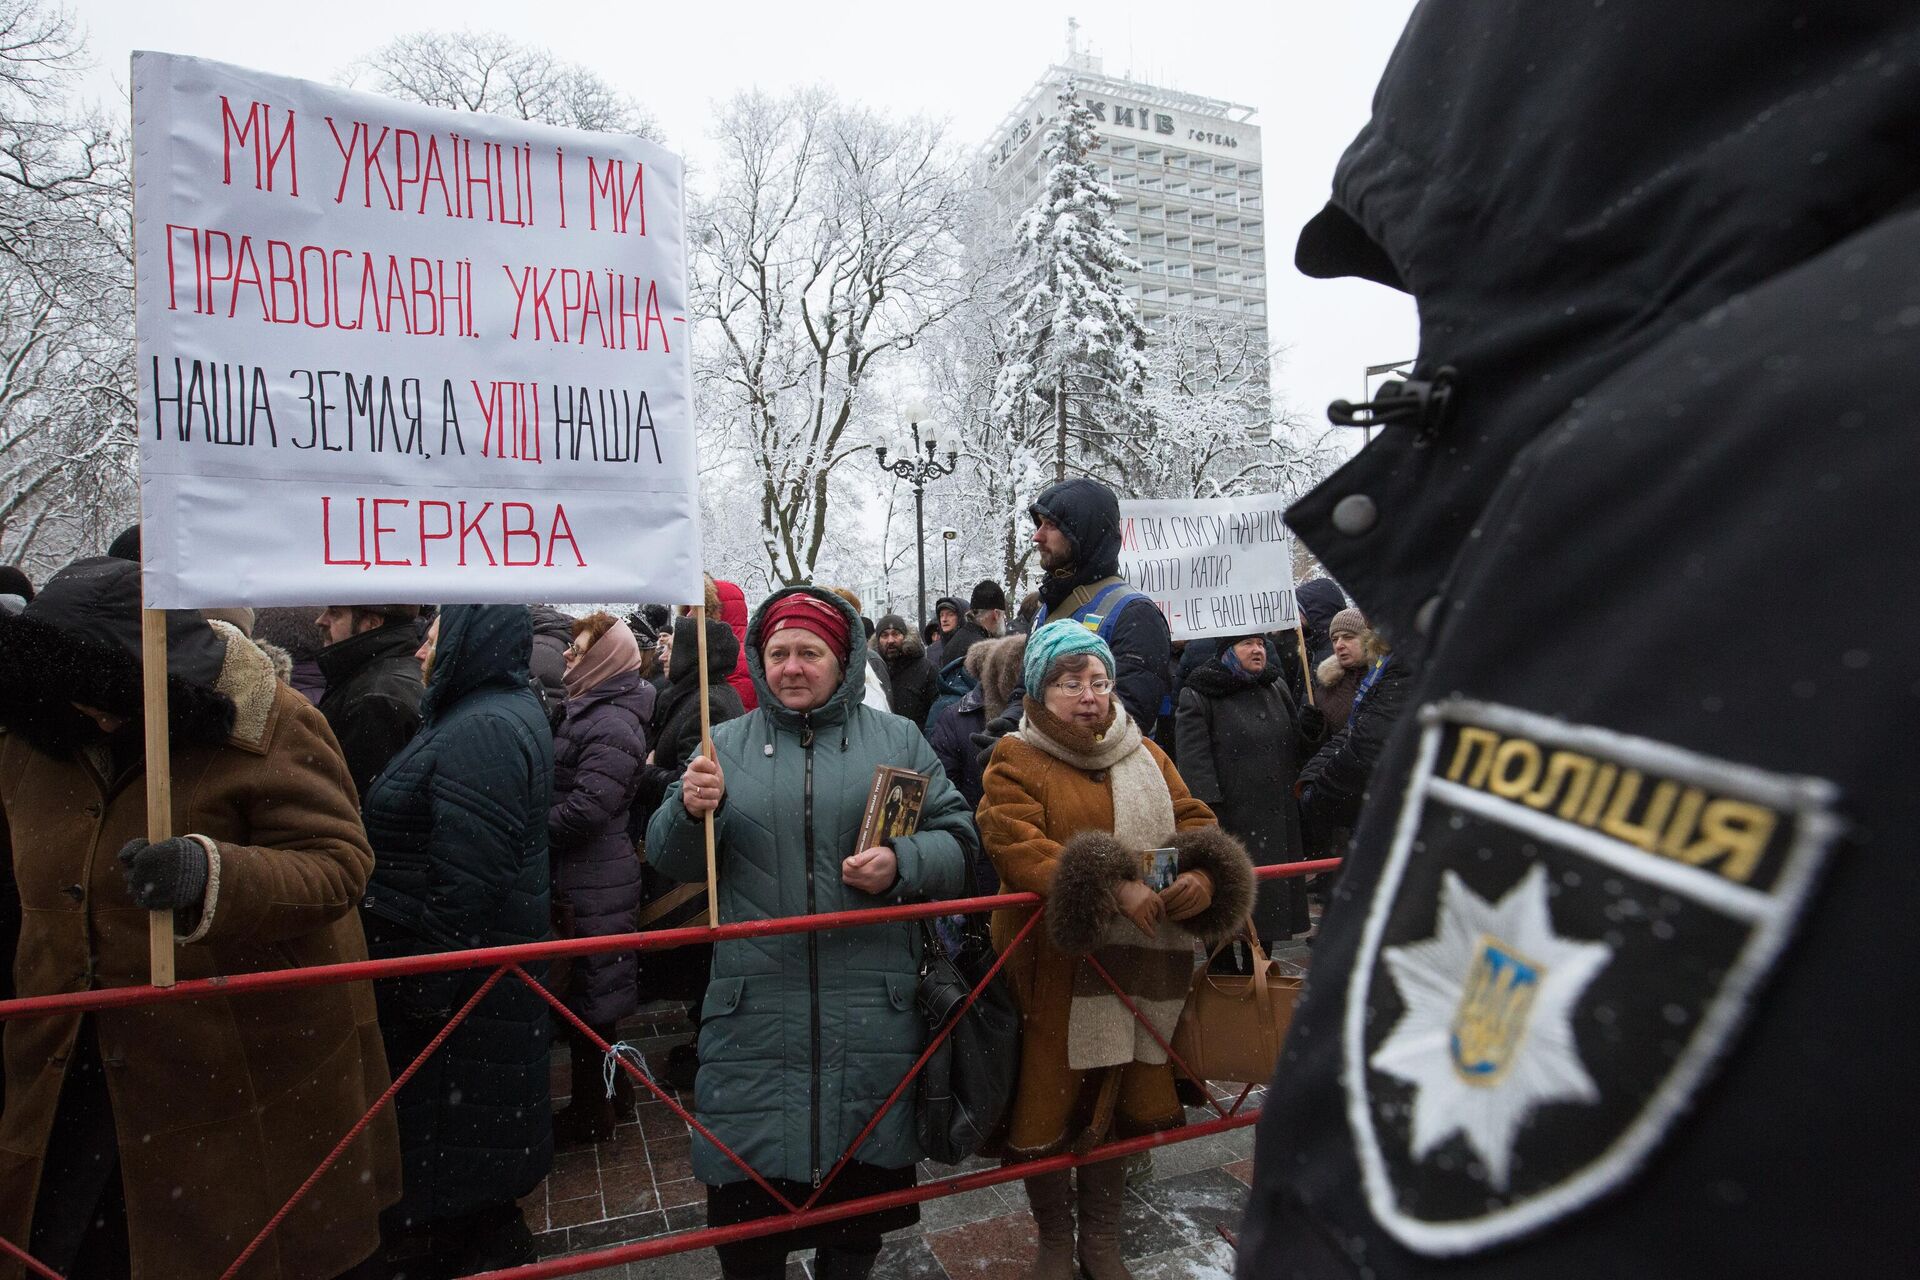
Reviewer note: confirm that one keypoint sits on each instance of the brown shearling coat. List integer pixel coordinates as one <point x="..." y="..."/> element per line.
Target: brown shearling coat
<point x="222" y="1105"/>
<point x="1032" y="805"/>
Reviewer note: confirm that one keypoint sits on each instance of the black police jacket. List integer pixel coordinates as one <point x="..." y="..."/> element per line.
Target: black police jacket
<point x="1619" y="978"/>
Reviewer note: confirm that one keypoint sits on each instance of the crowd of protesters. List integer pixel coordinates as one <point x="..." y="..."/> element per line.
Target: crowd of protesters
<point x="382" y="781"/>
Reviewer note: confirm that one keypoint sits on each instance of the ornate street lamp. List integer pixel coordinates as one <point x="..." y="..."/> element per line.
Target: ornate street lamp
<point x="919" y="466"/>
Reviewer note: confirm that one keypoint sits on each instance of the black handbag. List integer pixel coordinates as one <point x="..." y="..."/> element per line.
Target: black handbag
<point x="966" y="1088"/>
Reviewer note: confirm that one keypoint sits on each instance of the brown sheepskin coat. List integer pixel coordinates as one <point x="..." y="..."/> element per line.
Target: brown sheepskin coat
<point x="222" y="1105"/>
<point x="1045" y="823"/>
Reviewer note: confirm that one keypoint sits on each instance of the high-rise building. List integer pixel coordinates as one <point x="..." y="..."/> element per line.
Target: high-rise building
<point x="1186" y="171"/>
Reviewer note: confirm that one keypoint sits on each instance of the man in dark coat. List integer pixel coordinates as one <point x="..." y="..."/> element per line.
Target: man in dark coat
<point x="947" y="612"/>
<point x="986" y="618"/>
<point x="1241" y="737"/>
<point x="372" y="702"/>
<point x="1077" y="530"/>
<point x="458" y="824"/>
<point x="909" y="672"/>
<point x="1621" y="976"/>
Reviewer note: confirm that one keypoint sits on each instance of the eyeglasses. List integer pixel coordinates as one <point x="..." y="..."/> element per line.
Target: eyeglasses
<point x="1073" y="688"/>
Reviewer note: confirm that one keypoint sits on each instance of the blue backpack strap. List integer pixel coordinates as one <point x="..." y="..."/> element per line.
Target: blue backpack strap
<point x="1112" y="616"/>
<point x="1103" y="621"/>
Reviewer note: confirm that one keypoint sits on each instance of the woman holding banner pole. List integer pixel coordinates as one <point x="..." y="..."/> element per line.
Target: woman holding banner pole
<point x="803" y="1037"/>
<point x="157" y="1141"/>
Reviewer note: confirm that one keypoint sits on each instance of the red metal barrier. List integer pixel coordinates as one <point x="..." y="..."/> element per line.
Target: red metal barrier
<point x="505" y="961"/>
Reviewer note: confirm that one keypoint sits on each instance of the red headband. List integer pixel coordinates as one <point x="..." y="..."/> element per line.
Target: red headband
<point x="809" y="614"/>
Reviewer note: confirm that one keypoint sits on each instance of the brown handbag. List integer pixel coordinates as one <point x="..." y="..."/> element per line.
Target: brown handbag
<point x="1233" y="1024"/>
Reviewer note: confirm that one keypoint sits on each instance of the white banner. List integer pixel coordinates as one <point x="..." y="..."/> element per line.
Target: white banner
<point x="1215" y="566"/>
<point x="394" y="354"/>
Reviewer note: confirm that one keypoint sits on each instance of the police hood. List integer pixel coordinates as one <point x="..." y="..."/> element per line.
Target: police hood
<point x="1560" y="188"/>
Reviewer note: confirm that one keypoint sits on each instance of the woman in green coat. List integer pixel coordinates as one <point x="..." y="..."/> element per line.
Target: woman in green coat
<point x="803" y="1037"/>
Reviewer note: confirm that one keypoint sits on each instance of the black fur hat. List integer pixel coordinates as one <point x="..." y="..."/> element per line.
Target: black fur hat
<point x="79" y="641"/>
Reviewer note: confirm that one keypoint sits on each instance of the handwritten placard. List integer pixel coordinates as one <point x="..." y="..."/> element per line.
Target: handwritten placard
<point x="392" y="353"/>
<point x="1214" y="566"/>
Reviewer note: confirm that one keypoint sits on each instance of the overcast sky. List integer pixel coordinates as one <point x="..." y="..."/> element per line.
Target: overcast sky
<point x="1309" y="70"/>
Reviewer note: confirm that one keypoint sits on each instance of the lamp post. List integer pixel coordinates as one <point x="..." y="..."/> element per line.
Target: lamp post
<point x="916" y="470"/>
<point x="946" y="561"/>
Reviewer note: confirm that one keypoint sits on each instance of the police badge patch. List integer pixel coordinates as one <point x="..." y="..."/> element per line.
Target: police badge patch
<point x="1566" y="933"/>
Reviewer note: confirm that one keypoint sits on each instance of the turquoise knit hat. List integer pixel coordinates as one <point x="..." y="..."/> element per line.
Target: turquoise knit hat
<point x="1060" y="640"/>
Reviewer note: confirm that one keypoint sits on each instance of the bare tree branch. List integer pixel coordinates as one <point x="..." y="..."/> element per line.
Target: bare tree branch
<point x="490" y="72"/>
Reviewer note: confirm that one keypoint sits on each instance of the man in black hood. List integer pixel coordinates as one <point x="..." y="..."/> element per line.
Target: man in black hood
<point x="1076" y="526"/>
<point x="1622" y="975"/>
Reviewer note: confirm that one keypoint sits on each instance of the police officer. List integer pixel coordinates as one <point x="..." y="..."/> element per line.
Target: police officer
<point x="1620" y="975"/>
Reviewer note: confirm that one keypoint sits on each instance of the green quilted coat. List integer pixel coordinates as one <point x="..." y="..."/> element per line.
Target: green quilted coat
<point x="804" y="1036"/>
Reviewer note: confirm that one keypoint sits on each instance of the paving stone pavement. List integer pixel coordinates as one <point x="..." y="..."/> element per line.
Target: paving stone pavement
<point x="640" y="1185"/>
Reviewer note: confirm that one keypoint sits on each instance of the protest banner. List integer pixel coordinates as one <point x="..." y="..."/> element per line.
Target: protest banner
<point x="388" y="352"/>
<point x="1214" y="566"/>
<point x="392" y="353"/>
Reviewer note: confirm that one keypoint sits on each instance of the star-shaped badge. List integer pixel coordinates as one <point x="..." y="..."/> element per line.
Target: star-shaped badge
<point x="1487" y="1036"/>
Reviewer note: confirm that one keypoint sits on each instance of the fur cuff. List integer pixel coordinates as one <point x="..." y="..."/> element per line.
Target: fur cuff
<point x="1225" y="859"/>
<point x="1081" y="904"/>
<point x="210" y="900"/>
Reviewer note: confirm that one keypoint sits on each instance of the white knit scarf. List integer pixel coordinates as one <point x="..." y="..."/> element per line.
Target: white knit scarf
<point x="1152" y="971"/>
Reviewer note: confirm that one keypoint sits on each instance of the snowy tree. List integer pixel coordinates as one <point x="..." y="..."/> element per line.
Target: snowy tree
<point x="1076" y="344"/>
<point x="490" y="72"/>
<point x="1005" y="458"/>
<point x="67" y="435"/>
<point x="1212" y="430"/>
<point x="828" y="249"/>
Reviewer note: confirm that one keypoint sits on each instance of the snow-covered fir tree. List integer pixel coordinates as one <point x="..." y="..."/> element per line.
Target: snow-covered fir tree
<point x="1076" y="344"/>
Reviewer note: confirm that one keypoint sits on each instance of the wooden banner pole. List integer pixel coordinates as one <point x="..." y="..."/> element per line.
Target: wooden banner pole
<point x="153" y="667"/>
<point x="706" y="748"/>
<point x="1306" y="663"/>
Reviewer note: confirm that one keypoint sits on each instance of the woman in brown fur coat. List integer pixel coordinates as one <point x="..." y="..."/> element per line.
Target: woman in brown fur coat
<point x="1073" y="799"/>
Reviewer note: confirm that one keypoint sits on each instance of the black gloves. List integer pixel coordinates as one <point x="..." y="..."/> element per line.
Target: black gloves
<point x="984" y="743"/>
<point x="170" y="875"/>
<point x="1312" y="723"/>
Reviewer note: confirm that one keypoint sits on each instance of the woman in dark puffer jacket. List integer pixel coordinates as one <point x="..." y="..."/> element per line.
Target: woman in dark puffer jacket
<point x="458" y="825"/>
<point x="597" y="758"/>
